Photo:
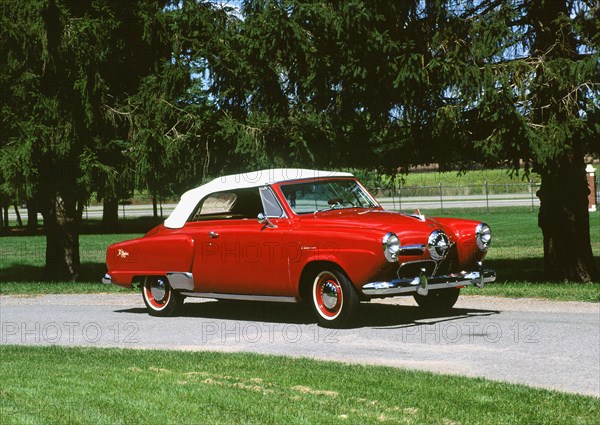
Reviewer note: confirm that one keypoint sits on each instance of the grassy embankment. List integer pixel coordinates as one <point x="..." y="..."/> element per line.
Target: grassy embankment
<point x="112" y="386"/>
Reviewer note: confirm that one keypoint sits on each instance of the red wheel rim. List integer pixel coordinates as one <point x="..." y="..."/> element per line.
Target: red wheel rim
<point x="157" y="292"/>
<point x="328" y="295"/>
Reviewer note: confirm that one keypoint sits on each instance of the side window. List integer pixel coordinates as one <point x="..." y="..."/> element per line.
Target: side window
<point x="216" y="206"/>
<point x="217" y="203"/>
<point x="230" y="205"/>
<point x="270" y="204"/>
<point x="248" y="203"/>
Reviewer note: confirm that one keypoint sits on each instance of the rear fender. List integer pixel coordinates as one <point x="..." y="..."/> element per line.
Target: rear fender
<point x="149" y="256"/>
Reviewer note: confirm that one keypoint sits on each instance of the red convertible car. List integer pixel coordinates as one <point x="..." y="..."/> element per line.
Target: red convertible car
<point x="295" y="235"/>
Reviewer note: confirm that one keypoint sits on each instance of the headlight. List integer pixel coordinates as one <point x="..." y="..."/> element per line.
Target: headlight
<point x="438" y="244"/>
<point x="391" y="247"/>
<point x="483" y="236"/>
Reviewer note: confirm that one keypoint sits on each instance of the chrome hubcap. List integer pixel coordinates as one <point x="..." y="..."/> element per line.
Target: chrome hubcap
<point x="158" y="289"/>
<point x="330" y="295"/>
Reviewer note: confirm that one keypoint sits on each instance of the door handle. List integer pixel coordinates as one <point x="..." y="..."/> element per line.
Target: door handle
<point x="213" y="234"/>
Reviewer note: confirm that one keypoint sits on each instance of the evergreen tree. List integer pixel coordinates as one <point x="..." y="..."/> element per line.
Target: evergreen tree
<point x="391" y="84"/>
<point x="175" y="135"/>
<point x="528" y="93"/>
<point x="68" y="65"/>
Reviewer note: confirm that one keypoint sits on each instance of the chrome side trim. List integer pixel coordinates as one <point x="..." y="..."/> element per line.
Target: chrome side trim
<point x="422" y="284"/>
<point x="241" y="297"/>
<point x="181" y="280"/>
<point x="107" y="280"/>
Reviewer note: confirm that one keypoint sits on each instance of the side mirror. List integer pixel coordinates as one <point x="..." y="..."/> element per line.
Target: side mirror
<point x="263" y="219"/>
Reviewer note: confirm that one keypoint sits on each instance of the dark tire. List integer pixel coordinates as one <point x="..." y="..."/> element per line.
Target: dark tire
<point x="333" y="298"/>
<point x="438" y="300"/>
<point x="159" y="298"/>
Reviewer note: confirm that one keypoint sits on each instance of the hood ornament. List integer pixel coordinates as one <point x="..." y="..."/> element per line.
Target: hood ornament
<point x="417" y="214"/>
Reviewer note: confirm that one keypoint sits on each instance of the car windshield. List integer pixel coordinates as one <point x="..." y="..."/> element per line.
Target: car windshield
<point x="323" y="195"/>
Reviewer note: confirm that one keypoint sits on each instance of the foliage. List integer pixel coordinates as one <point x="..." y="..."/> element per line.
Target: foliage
<point x="106" y="96"/>
<point x="385" y="85"/>
<point x="81" y="83"/>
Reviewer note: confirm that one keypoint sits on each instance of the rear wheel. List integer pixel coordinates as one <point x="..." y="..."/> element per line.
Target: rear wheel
<point x="438" y="300"/>
<point x="334" y="299"/>
<point x="159" y="297"/>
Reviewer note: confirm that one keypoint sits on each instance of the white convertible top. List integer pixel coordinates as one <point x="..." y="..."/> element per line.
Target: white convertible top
<point x="190" y="199"/>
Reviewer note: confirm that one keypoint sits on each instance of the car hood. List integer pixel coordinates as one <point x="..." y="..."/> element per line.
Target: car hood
<point x="387" y="221"/>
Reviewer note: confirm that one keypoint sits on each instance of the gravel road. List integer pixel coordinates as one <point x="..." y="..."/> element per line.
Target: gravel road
<point x="554" y="345"/>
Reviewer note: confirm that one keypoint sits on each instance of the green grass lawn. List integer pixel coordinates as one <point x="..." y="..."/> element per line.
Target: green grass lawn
<point x="22" y="261"/>
<point x="516" y="255"/>
<point x="116" y="386"/>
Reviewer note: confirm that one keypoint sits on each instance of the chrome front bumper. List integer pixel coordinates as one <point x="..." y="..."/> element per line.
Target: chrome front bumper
<point x="422" y="283"/>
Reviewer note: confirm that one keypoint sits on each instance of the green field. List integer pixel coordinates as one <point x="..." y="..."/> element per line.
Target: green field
<point x="115" y="386"/>
<point x="516" y="255"/>
<point x="450" y="183"/>
<point x="433" y="178"/>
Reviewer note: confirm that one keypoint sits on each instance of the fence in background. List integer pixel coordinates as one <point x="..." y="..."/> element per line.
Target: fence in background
<point x="400" y="198"/>
<point x="459" y="196"/>
<point x="484" y="195"/>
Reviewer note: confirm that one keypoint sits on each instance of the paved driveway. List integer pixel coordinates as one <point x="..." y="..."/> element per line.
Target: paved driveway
<point x="545" y="344"/>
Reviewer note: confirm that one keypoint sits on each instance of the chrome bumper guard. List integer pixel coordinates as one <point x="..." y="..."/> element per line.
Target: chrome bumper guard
<point x="177" y="280"/>
<point x="422" y="283"/>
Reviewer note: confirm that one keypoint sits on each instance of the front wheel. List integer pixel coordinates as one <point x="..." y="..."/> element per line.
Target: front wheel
<point x="334" y="299"/>
<point x="438" y="300"/>
<point x="159" y="297"/>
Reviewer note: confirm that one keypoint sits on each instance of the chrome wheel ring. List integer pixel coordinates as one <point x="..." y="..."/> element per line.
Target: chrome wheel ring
<point x="327" y="295"/>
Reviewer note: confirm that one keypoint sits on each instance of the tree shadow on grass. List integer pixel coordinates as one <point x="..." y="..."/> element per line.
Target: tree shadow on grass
<point x="19" y="272"/>
<point x="518" y="270"/>
<point x="95" y="227"/>
<point x="130" y="225"/>
<point x="528" y="269"/>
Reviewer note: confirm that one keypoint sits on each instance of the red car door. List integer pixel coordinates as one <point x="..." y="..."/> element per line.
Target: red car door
<point x="237" y="254"/>
<point x="242" y="257"/>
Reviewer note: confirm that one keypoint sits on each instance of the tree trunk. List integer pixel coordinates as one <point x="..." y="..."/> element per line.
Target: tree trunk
<point x="110" y="213"/>
<point x="61" y="224"/>
<point x="565" y="224"/>
<point x="155" y="206"/>
<point x="18" y="214"/>
<point x="5" y="216"/>
<point x="563" y="217"/>
<point x="32" y="212"/>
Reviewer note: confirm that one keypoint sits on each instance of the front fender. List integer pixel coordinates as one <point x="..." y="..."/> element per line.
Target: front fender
<point x="463" y="232"/>
<point x="359" y="264"/>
